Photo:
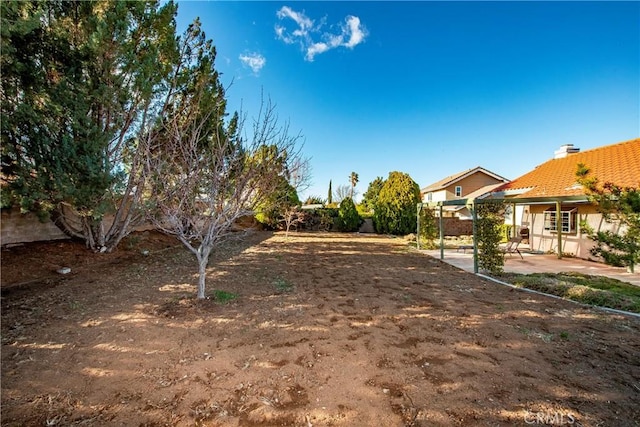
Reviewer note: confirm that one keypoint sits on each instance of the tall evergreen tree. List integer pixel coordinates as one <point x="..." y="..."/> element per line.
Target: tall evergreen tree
<point x="395" y="211"/>
<point x="370" y="197"/>
<point x="348" y="218"/>
<point x="330" y="194"/>
<point x="80" y="80"/>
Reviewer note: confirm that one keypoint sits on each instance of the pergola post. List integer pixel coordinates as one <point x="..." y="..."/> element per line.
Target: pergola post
<point x="441" y="234"/>
<point x="474" y="213"/>
<point x="514" y="233"/>
<point x="418" y="226"/>
<point x="559" y="226"/>
<point x="471" y="205"/>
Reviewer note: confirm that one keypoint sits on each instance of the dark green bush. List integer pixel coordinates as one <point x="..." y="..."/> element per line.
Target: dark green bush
<point x="395" y="209"/>
<point x="325" y="218"/>
<point x="348" y="217"/>
<point x="370" y="197"/>
<point x="271" y="211"/>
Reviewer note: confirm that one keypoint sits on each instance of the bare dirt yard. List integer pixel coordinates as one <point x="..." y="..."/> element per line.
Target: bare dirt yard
<point x="325" y="330"/>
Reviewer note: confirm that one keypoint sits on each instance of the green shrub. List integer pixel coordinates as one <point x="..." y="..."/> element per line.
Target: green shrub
<point x="348" y="218"/>
<point x="619" y="206"/>
<point x="314" y="200"/>
<point x="370" y="197"/>
<point x="364" y="211"/>
<point x="326" y="217"/>
<point x="271" y="211"/>
<point x="489" y="236"/>
<point x="395" y="209"/>
<point x="428" y="228"/>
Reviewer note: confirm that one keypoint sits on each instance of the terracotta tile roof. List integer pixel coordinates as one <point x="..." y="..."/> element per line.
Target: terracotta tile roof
<point x="617" y="163"/>
<point x="443" y="183"/>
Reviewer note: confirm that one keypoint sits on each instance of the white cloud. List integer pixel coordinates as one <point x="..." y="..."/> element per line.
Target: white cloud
<point x="280" y="32"/>
<point x="312" y="39"/>
<point x="357" y="32"/>
<point x="300" y="18"/>
<point x="253" y="60"/>
<point x="335" y="41"/>
<point x="315" y="49"/>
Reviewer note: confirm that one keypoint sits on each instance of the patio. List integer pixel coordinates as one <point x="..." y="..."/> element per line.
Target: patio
<point x="539" y="263"/>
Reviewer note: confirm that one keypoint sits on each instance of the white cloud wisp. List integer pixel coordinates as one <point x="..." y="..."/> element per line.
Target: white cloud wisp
<point x="313" y="39"/>
<point x="253" y="60"/>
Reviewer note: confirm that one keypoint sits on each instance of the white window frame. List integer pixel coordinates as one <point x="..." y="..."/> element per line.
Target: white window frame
<point x="458" y="191"/>
<point x="568" y="220"/>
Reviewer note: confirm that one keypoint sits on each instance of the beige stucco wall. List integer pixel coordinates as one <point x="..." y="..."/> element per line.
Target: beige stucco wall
<point x="17" y="227"/>
<point x="576" y="244"/>
<point x="436" y="196"/>
<point x="468" y="184"/>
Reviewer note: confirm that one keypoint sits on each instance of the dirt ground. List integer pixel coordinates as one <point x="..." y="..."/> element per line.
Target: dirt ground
<point x="326" y="330"/>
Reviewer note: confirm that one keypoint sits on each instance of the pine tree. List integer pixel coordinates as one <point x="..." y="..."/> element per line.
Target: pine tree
<point x="80" y="80"/>
<point x="370" y="197"/>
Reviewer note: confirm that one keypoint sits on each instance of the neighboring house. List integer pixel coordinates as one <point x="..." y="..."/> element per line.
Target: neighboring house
<point x="470" y="184"/>
<point x="553" y="200"/>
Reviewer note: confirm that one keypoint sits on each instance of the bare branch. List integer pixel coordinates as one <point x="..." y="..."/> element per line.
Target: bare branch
<point x="203" y="176"/>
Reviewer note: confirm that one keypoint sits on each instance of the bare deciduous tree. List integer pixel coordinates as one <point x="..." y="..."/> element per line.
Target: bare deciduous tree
<point x="203" y="173"/>
<point x="342" y="192"/>
<point x="292" y="216"/>
<point x="200" y="192"/>
<point x="299" y="179"/>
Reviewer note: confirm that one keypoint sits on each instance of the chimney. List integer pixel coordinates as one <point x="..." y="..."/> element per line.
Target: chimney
<point x="565" y="150"/>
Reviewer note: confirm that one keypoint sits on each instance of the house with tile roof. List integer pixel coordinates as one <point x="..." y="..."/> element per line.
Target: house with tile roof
<point x="469" y="184"/>
<point x="555" y="204"/>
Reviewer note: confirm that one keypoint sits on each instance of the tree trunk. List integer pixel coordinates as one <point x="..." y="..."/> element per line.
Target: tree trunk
<point x="92" y="231"/>
<point x="80" y="227"/>
<point x="203" y="260"/>
<point x="94" y="234"/>
<point x="286" y="233"/>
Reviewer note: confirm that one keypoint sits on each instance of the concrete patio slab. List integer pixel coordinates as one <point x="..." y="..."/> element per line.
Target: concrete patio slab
<point x="539" y="263"/>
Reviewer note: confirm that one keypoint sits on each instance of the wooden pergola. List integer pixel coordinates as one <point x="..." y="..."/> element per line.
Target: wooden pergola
<point x="472" y="203"/>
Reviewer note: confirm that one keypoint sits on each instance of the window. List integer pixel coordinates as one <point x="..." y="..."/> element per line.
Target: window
<point x="429" y="197"/>
<point x="567" y="220"/>
<point x="458" y="191"/>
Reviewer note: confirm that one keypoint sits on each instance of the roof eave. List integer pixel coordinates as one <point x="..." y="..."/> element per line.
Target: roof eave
<point x="516" y="200"/>
<point x="464" y="175"/>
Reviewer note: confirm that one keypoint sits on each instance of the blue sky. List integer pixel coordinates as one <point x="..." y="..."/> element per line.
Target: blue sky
<point x="431" y="88"/>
